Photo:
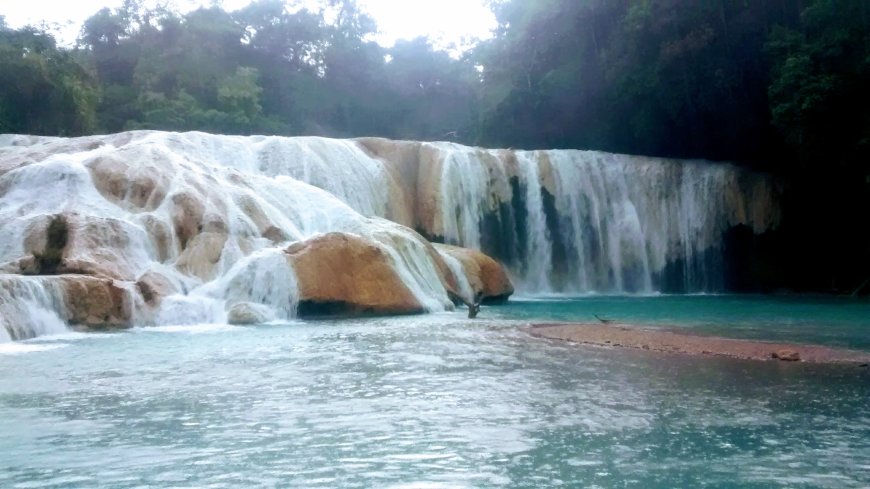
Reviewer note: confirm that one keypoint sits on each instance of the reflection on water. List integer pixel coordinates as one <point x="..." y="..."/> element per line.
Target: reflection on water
<point x="432" y="401"/>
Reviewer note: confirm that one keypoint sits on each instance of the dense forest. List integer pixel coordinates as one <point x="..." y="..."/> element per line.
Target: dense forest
<point x="780" y="85"/>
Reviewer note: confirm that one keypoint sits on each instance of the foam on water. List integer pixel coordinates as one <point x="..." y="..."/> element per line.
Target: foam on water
<point x="191" y="328"/>
<point x="19" y="348"/>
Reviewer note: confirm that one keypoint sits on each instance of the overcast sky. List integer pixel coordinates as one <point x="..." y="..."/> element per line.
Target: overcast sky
<point x="447" y="20"/>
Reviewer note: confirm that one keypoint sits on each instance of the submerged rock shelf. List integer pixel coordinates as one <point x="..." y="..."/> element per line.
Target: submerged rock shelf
<point x="663" y="341"/>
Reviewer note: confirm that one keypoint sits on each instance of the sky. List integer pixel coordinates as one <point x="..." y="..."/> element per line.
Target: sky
<point x="446" y="21"/>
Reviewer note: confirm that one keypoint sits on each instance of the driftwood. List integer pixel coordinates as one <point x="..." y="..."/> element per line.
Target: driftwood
<point x="604" y="321"/>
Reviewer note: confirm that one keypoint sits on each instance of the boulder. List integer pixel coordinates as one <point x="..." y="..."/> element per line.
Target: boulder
<point x="487" y="277"/>
<point x="342" y="274"/>
<point x="154" y="286"/>
<point x="77" y="299"/>
<point x="96" y="302"/>
<point x="247" y="313"/>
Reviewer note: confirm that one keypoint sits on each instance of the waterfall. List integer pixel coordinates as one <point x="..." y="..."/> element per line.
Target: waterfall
<point x="538" y="262"/>
<point x="592" y="222"/>
<point x="464" y="185"/>
<point x="206" y="219"/>
<point x="30" y="307"/>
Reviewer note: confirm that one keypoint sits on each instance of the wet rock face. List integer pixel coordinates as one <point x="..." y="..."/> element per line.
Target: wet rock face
<point x="247" y="314"/>
<point x="96" y="303"/>
<point x="78" y="300"/>
<point x="488" y="279"/>
<point x="342" y="274"/>
<point x="162" y="228"/>
<point x="47" y="261"/>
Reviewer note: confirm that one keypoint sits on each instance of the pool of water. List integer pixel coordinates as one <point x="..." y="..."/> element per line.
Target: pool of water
<point x="832" y="321"/>
<point x="429" y="401"/>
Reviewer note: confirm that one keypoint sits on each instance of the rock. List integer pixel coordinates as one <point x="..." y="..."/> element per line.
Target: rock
<point x="77" y="300"/>
<point x="786" y="355"/>
<point x="247" y="313"/>
<point x="129" y="182"/>
<point x="487" y="277"/>
<point x="97" y="246"/>
<point x="187" y="216"/>
<point x="202" y="255"/>
<point x="153" y="287"/>
<point x="343" y="274"/>
<point x="95" y="302"/>
<point x="401" y="160"/>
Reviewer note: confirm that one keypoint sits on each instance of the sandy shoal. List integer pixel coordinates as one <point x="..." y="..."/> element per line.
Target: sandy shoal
<point x="660" y="340"/>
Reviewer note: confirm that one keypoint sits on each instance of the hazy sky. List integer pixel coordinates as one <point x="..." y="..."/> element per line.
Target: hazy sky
<point x="447" y="20"/>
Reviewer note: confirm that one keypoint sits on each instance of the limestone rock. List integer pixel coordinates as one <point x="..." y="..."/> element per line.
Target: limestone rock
<point x="342" y="274"/>
<point x="487" y="277"/>
<point x="96" y="302"/>
<point x="76" y="299"/>
<point x="153" y="287"/>
<point x="247" y="313"/>
<point x="201" y="255"/>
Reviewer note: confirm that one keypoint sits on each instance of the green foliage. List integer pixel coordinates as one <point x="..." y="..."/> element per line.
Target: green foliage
<point x="818" y="93"/>
<point x="42" y="90"/>
<point x="725" y="79"/>
<point x="778" y="85"/>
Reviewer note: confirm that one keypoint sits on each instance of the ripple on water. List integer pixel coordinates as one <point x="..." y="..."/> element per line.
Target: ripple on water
<point x="422" y="402"/>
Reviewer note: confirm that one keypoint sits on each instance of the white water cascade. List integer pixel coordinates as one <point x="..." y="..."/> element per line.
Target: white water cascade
<point x="29" y="308"/>
<point x="586" y="222"/>
<point x="202" y="221"/>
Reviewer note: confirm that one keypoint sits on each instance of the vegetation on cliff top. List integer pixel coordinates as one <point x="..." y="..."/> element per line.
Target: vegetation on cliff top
<point x="777" y="85"/>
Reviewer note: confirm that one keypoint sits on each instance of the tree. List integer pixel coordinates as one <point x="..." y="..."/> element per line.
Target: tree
<point x="42" y="90"/>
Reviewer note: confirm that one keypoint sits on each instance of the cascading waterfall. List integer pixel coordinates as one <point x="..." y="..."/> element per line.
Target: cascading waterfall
<point x="212" y="215"/>
<point x="206" y="217"/>
<point x="591" y="222"/>
<point x="463" y="181"/>
<point x="538" y="263"/>
<point x="29" y="308"/>
<point x="465" y="290"/>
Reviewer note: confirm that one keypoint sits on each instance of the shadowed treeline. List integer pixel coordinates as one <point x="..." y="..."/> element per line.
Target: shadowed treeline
<point x="779" y="85"/>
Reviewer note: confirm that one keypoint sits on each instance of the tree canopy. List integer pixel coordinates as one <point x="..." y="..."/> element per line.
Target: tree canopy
<point x="780" y="85"/>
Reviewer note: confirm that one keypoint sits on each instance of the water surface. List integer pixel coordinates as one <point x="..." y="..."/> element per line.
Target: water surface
<point x="430" y="401"/>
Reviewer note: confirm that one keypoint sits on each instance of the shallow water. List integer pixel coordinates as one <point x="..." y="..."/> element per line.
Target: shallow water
<point x="430" y="401"/>
<point x="827" y="320"/>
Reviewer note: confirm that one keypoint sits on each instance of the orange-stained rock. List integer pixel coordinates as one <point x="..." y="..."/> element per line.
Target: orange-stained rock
<point x="487" y="277"/>
<point x="344" y="274"/>
<point x="134" y="184"/>
<point x="95" y="302"/>
<point x="77" y="300"/>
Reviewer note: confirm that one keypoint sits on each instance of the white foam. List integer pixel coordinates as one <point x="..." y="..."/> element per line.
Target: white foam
<point x="190" y="329"/>
<point x="19" y="348"/>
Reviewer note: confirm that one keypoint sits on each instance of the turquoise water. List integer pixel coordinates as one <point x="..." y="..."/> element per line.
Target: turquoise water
<point x="430" y="401"/>
<point x="833" y="321"/>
